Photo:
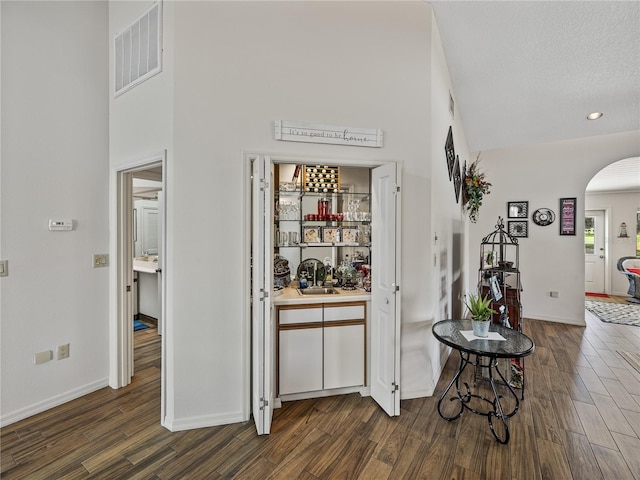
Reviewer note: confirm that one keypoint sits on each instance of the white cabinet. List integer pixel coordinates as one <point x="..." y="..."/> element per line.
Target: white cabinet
<point x="320" y="347"/>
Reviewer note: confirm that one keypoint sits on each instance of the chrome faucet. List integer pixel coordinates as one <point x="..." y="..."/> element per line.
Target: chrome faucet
<point x="315" y="269"/>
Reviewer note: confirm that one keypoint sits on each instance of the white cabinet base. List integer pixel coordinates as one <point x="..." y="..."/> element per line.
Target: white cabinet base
<point x="291" y="397"/>
<point x="321" y="349"/>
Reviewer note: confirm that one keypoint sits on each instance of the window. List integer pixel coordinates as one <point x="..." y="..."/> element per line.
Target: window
<point x="589" y="234"/>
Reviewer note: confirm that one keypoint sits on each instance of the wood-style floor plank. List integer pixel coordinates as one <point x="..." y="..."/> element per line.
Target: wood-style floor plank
<point x="580" y="420"/>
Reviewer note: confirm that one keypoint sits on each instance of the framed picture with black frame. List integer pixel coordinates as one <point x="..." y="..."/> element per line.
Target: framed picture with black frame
<point x="494" y="286"/>
<point x="517" y="209"/>
<point x="457" y="179"/>
<point x="568" y="216"/>
<point x="450" y="153"/>
<point x="518" y="228"/>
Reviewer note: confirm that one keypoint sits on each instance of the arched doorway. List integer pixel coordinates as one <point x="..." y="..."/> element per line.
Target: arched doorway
<point x="612" y="198"/>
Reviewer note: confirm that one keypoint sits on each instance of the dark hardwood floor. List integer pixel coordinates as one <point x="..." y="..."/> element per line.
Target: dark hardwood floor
<point x="580" y="419"/>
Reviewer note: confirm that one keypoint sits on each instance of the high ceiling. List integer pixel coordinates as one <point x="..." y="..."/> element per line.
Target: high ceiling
<point x="528" y="72"/>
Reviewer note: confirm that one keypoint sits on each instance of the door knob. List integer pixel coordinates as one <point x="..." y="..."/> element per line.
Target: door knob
<point x="601" y="256"/>
<point x="386" y="300"/>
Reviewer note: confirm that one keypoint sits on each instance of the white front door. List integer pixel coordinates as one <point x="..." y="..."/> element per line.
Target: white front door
<point x="385" y="296"/>
<point x="261" y="261"/>
<point x="594" y="251"/>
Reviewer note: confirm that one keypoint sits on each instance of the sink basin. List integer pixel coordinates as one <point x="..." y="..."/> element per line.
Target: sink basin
<point x="318" y="291"/>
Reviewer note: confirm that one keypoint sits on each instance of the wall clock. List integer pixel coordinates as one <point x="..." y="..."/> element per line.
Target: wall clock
<point x="543" y="217"/>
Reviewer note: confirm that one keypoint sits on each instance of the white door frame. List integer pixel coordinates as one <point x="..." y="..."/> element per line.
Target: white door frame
<point x="121" y="274"/>
<point x="295" y="159"/>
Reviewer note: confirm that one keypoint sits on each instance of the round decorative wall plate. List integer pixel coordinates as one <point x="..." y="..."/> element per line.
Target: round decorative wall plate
<point x="543" y="217"/>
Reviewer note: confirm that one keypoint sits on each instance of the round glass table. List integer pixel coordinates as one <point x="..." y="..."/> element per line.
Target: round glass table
<point x="482" y="353"/>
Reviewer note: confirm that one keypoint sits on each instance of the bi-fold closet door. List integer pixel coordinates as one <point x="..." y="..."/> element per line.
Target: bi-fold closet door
<point x="385" y="295"/>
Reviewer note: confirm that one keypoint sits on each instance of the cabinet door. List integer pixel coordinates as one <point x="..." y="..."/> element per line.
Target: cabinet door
<point x="343" y="356"/>
<point x="300" y="360"/>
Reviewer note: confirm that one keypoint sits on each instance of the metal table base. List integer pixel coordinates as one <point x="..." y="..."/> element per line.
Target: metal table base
<point x="464" y="395"/>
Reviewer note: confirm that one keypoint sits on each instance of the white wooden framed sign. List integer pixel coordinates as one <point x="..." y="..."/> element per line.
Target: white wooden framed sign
<point x="314" y="133"/>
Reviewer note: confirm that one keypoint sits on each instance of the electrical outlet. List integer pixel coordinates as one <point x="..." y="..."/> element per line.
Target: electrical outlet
<point x="100" y="260"/>
<point x="42" y="357"/>
<point x="63" y="351"/>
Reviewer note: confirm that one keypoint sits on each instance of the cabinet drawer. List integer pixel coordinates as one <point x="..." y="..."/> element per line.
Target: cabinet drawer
<point x="344" y="312"/>
<point x="287" y="316"/>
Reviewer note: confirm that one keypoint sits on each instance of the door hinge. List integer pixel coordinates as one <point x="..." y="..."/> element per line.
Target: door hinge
<point x="263" y="294"/>
<point x="263" y="403"/>
<point x="396" y="189"/>
<point x="395" y="287"/>
<point x="394" y="387"/>
<point x="263" y="184"/>
<point x="128" y="288"/>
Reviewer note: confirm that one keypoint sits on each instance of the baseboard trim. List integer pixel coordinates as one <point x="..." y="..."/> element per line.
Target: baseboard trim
<point x="289" y="397"/>
<point x="203" y="421"/>
<point x="568" y="321"/>
<point x="52" y="402"/>
<point x="408" y="395"/>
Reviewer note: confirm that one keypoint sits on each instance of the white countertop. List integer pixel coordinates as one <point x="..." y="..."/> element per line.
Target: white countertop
<point x="291" y="296"/>
<point x="145" y="266"/>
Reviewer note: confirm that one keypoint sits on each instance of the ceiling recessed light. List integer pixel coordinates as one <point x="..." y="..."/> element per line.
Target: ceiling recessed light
<point x="594" y="116"/>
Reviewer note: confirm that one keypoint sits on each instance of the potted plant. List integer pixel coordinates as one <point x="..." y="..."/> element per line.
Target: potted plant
<point x="480" y="310"/>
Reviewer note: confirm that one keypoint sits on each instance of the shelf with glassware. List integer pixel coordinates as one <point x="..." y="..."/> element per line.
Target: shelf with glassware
<point x="337" y="219"/>
<point x="328" y="228"/>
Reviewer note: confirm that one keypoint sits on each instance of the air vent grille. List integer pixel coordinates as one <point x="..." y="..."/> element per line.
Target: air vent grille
<point x="138" y="50"/>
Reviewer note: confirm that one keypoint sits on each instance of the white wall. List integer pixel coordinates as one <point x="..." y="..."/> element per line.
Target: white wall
<point x="141" y="120"/>
<point x="241" y="66"/>
<point x="621" y="207"/>
<point x="448" y="235"/>
<point x="54" y="165"/>
<point x="245" y="65"/>
<point x="541" y="175"/>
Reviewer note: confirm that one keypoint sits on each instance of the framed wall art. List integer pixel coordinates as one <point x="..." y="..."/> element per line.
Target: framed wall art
<point x="568" y="216"/>
<point x="518" y="209"/>
<point x="494" y="285"/>
<point x="450" y="153"/>
<point x="518" y="228"/>
<point x="457" y="179"/>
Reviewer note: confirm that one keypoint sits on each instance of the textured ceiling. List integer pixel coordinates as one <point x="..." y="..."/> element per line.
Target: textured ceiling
<point x="529" y="72"/>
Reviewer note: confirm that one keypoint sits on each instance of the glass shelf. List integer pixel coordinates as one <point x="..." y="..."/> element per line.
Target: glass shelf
<point x="299" y="194"/>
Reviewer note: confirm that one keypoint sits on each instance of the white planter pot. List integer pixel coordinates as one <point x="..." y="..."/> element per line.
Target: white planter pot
<point x="480" y="329"/>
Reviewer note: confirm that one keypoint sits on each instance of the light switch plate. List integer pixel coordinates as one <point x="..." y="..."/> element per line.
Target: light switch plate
<point x="4" y="268"/>
<point x="42" y="357"/>
<point x="100" y="260"/>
